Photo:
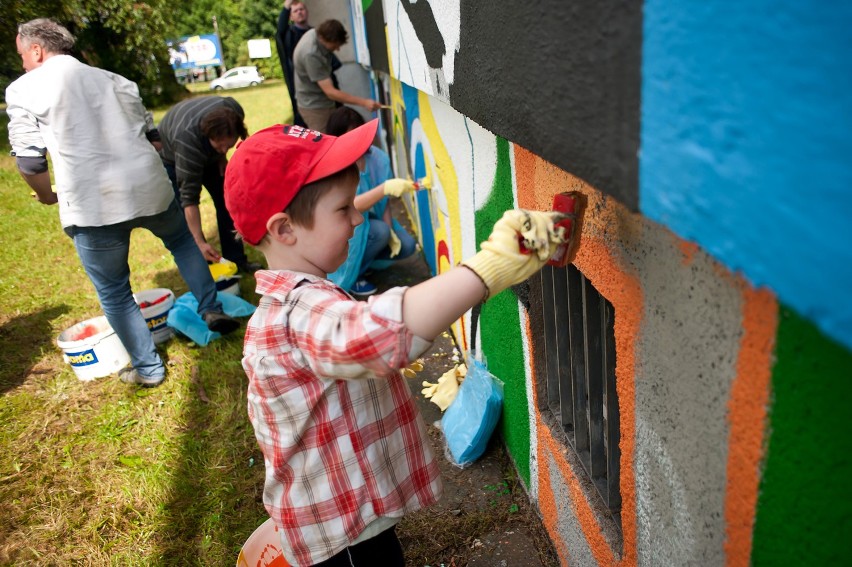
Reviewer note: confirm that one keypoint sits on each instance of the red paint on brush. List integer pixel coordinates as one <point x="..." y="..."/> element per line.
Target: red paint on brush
<point x="573" y="205"/>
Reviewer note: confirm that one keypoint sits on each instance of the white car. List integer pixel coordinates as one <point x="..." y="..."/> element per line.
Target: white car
<point x="237" y="77"/>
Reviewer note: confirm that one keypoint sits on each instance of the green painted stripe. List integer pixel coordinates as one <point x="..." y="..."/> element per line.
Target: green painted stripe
<point x="501" y="326"/>
<point x="804" y="511"/>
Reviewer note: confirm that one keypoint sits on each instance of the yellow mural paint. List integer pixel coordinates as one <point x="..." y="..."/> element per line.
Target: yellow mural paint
<point x="440" y="176"/>
<point x="446" y="175"/>
<point x="426" y="181"/>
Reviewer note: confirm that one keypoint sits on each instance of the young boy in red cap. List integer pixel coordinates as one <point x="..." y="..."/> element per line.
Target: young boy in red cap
<point x="345" y="448"/>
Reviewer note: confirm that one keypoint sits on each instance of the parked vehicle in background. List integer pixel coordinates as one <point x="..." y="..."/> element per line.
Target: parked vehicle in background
<point x="237" y="77"/>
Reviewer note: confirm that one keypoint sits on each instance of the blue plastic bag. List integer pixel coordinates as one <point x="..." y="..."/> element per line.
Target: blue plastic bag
<point x="184" y="317"/>
<point x="470" y="420"/>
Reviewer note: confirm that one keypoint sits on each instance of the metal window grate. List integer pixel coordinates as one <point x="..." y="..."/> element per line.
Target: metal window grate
<point x="579" y="341"/>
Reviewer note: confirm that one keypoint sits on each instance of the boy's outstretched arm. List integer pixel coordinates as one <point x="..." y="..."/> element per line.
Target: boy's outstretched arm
<point x="429" y="308"/>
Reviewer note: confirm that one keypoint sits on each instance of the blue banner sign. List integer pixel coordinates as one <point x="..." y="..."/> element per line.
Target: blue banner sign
<point x="195" y="51"/>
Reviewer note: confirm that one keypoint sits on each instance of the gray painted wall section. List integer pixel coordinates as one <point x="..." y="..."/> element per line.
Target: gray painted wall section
<point x="569" y="528"/>
<point x="685" y="366"/>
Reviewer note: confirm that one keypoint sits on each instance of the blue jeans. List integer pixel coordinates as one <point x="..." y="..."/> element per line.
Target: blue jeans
<point x="103" y="251"/>
<point x="377" y="244"/>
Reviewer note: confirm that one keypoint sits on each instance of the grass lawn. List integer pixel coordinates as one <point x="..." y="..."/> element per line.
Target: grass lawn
<point x="101" y="472"/>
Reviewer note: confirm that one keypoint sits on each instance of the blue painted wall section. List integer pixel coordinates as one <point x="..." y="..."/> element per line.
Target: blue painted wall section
<point x="746" y="140"/>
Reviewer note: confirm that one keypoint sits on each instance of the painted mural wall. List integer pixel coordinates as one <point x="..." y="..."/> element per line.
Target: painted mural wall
<point x="693" y="130"/>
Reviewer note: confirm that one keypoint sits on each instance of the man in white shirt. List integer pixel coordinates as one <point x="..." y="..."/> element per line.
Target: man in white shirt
<point x="108" y="179"/>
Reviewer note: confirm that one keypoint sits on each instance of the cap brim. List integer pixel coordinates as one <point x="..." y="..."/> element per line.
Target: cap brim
<point x="344" y="151"/>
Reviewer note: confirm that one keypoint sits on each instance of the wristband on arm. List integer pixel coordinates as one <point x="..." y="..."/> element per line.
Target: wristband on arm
<point x="31" y="165"/>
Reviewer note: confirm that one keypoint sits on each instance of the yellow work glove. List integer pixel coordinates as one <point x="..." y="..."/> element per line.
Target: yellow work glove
<point x="412" y="369"/>
<point x="501" y="263"/>
<point x="396" y="187"/>
<point x="394" y="244"/>
<point x="444" y="391"/>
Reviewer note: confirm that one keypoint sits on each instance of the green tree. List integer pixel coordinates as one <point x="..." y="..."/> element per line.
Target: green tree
<point x="238" y="21"/>
<point x="121" y="36"/>
<point x="12" y="13"/>
<point x="129" y="38"/>
<point x="259" y="20"/>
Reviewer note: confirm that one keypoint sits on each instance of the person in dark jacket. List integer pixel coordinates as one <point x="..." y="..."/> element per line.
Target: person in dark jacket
<point x="292" y="25"/>
<point x="196" y="134"/>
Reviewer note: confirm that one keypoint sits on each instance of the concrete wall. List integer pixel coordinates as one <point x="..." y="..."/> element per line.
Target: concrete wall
<point x="732" y="342"/>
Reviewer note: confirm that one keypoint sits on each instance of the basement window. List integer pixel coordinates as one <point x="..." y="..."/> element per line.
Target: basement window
<point x="579" y="343"/>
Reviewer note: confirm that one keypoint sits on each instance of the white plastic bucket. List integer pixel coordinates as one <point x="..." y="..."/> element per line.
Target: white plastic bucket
<point x="94" y="356"/>
<point x="263" y="548"/>
<point x="156" y="315"/>
<point x="229" y="285"/>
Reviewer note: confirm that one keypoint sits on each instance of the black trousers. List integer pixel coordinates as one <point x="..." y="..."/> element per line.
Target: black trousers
<point x="214" y="182"/>
<point x="384" y="550"/>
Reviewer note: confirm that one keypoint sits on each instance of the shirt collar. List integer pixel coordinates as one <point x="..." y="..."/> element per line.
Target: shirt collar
<point x="282" y="282"/>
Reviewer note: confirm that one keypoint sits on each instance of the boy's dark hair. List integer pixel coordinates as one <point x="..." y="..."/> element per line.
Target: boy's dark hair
<point x="342" y="120"/>
<point x="223" y="122"/>
<point x="301" y="208"/>
<point x="333" y="31"/>
<point x="49" y="34"/>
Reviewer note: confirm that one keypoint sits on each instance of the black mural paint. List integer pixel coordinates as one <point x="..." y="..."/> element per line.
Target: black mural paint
<point x="561" y="79"/>
<point x="426" y="28"/>
<point x="374" y="22"/>
<point x="474" y="323"/>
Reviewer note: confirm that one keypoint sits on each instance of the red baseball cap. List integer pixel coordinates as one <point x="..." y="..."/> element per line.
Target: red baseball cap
<point x="269" y="167"/>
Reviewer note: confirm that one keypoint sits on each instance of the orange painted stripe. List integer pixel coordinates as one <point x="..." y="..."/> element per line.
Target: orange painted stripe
<point x="546" y="499"/>
<point x="537" y="181"/>
<point x="623" y="290"/>
<point x="747" y="411"/>
<point x="688" y="249"/>
<point x="547" y="505"/>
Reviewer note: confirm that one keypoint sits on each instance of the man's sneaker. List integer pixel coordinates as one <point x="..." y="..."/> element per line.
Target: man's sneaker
<point x="363" y="287"/>
<point x="220" y="323"/>
<point x="129" y="375"/>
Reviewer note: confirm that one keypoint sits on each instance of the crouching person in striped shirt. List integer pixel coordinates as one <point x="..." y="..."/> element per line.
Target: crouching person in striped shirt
<point x="345" y="447"/>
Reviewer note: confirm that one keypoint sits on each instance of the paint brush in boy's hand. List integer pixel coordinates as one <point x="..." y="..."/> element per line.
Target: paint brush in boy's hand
<point x="573" y="205"/>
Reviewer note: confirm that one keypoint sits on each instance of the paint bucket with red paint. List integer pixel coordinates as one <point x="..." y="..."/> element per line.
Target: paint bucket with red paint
<point x="155" y="304"/>
<point x="93" y="349"/>
<point x="263" y="548"/>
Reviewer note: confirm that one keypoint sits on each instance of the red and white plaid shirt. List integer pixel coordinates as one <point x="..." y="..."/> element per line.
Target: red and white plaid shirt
<point x="342" y="438"/>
